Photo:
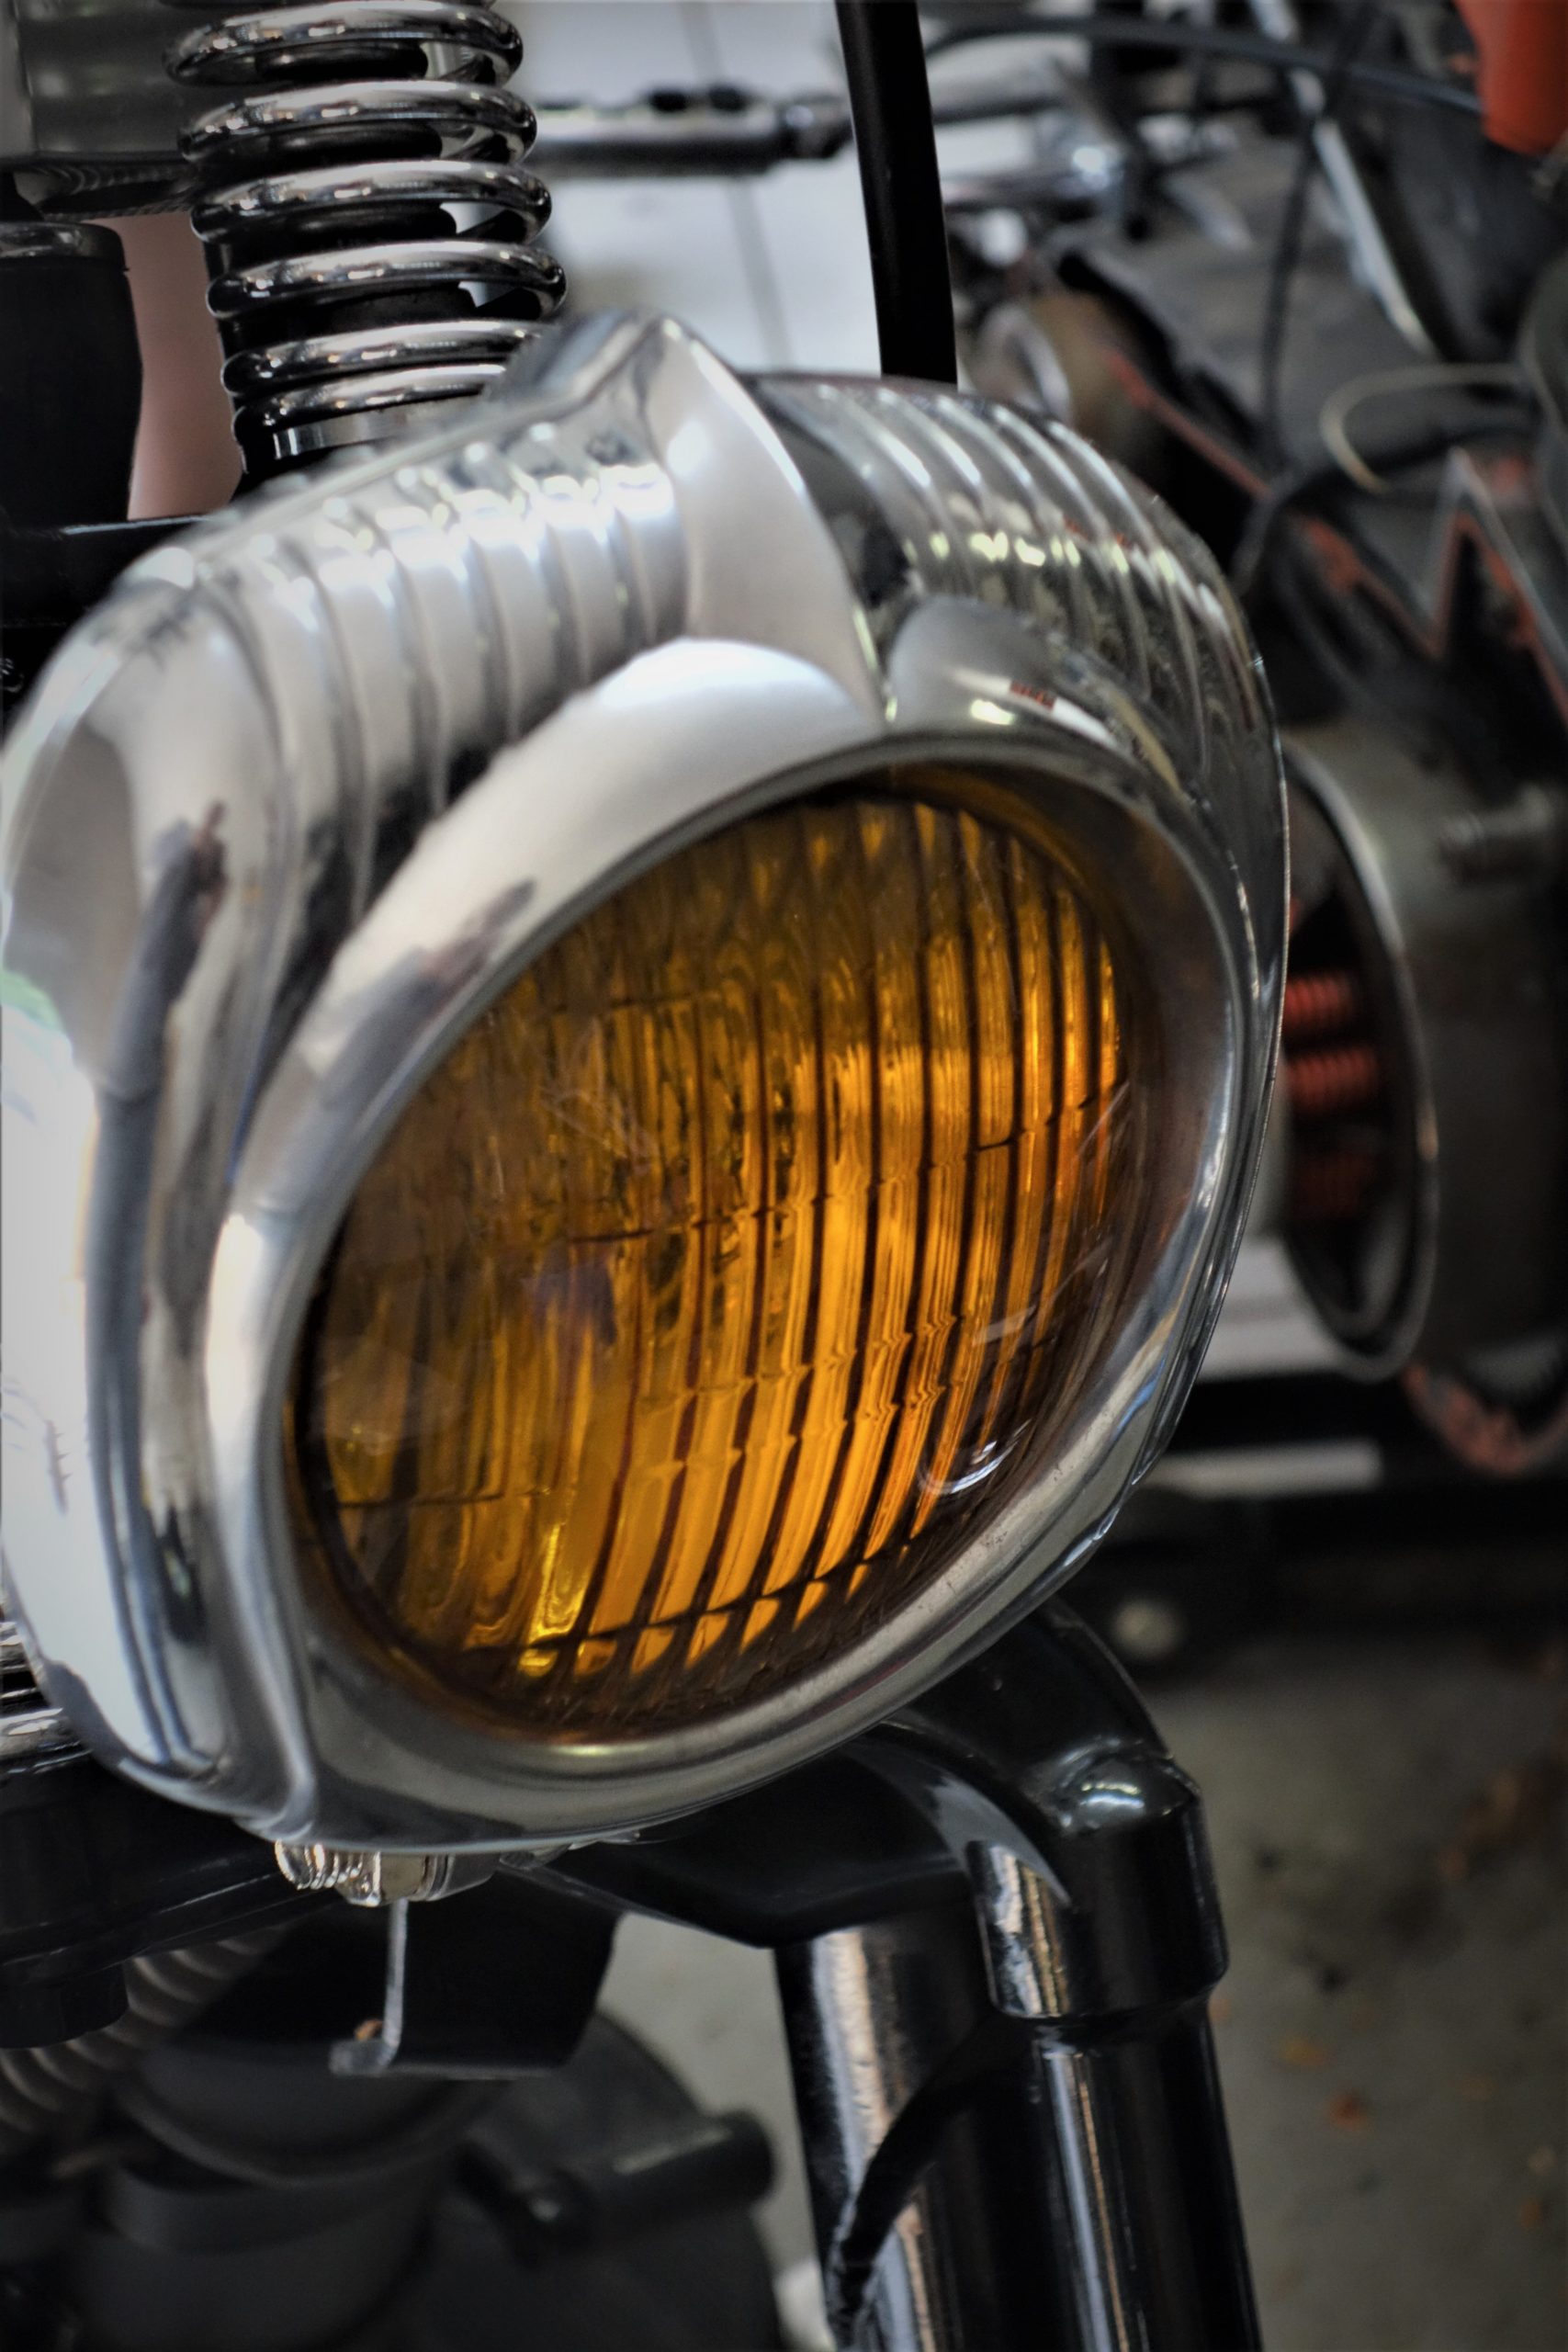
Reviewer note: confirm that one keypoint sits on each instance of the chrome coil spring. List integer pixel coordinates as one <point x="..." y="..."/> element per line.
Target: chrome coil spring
<point x="51" y="2092"/>
<point x="29" y="1727"/>
<point x="365" y="216"/>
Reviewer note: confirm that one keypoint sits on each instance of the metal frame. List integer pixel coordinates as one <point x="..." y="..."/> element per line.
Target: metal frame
<point x="252" y="903"/>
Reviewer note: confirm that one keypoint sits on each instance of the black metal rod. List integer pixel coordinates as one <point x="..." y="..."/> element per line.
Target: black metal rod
<point x="884" y="62"/>
<point x="1148" y="2247"/>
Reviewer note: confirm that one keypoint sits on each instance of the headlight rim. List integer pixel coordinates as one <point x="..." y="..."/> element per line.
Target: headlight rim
<point x="333" y="1699"/>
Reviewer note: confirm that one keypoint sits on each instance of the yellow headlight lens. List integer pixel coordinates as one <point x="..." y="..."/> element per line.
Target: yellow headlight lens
<point x="705" y="1293"/>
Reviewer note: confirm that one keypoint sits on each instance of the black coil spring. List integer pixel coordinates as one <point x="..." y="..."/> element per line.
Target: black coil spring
<point x="50" y="2092"/>
<point x="366" y="218"/>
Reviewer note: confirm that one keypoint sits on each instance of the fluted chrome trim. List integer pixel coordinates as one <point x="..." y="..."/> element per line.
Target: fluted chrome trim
<point x="29" y="1727"/>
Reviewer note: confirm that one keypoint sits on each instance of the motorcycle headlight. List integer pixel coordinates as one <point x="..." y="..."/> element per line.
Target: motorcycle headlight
<point x="706" y="1295"/>
<point x="642" y="1029"/>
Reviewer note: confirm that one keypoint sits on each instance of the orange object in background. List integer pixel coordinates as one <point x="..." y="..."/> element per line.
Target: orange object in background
<point x="1522" y="70"/>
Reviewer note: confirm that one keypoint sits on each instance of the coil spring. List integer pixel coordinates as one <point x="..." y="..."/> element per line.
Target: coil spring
<point x="1333" y="1074"/>
<point x="1336" y="1078"/>
<point x="29" y="1727"/>
<point x="1319" y="1004"/>
<point x="341" y="279"/>
<point x="50" y="2092"/>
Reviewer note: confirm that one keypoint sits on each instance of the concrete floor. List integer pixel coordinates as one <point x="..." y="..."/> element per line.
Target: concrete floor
<point x="1387" y="1827"/>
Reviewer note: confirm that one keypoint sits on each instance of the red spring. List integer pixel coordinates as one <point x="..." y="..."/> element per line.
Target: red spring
<point x="1319" y="1003"/>
<point x="1331" y="1187"/>
<point x="1339" y="1077"/>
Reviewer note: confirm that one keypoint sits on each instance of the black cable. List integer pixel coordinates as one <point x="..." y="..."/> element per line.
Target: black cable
<point x="884" y="63"/>
<point x="1293" y="228"/>
<point x="1211" y="40"/>
<point x="997" y="2045"/>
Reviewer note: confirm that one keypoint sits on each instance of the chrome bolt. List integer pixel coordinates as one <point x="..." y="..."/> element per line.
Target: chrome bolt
<point x="366" y="1879"/>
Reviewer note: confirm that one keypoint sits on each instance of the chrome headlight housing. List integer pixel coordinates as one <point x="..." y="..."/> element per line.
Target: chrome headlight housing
<point x="567" y="916"/>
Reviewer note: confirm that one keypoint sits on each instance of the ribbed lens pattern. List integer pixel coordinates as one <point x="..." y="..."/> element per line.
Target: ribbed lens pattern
<point x="716" y="1281"/>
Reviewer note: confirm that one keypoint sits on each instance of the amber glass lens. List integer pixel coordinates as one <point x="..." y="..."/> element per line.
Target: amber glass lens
<point x="724" y="1271"/>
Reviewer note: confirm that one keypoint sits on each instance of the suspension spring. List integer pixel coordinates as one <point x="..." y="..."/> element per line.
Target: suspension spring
<point x="1319" y="1004"/>
<point x="53" y="2091"/>
<point x="367" y="224"/>
<point x="1333" y="1079"/>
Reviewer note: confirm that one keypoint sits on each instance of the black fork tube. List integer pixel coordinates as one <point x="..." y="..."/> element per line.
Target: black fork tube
<point x="1010" y="2106"/>
<point x="869" y="2012"/>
